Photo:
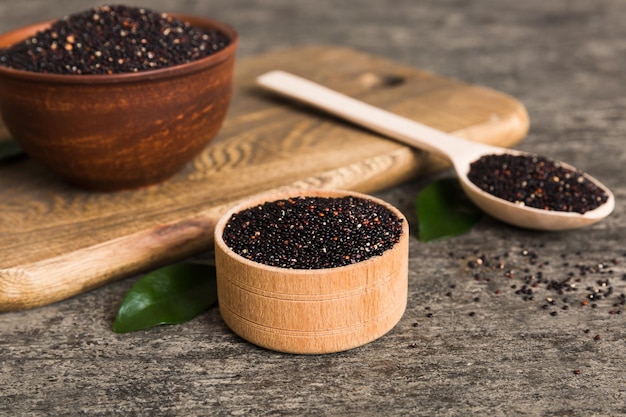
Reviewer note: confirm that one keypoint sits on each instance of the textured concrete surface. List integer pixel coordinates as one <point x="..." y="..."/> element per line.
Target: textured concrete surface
<point x="472" y="341"/>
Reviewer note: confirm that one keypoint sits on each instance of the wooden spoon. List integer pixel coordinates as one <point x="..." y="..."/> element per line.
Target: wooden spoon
<point x="460" y="153"/>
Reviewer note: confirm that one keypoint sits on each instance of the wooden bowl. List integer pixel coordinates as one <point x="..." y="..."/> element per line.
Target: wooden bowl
<point x="311" y="311"/>
<point x="119" y="131"/>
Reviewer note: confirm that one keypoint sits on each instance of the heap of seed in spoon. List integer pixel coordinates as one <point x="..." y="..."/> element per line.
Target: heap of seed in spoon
<point x="110" y="40"/>
<point x="537" y="182"/>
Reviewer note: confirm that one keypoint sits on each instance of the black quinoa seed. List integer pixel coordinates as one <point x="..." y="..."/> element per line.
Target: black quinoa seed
<point x="537" y="182"/>
<point x="112" y="39"/>
<point x="313" y="232"/>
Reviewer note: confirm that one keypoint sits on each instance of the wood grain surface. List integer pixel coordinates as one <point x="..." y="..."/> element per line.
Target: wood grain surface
<point x="467" y="344"/>
<point x="58" y="241"/>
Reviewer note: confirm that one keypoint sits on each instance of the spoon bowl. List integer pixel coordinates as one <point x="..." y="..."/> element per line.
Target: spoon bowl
<point x="459" y="152"/>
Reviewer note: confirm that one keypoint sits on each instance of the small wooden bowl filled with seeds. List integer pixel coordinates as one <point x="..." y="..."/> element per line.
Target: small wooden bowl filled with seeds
<point x="116" y="97"/>
<point x="312" y="272"/>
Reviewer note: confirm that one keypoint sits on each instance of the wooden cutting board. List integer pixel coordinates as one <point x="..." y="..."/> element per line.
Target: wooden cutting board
<point x="57" y="241"/>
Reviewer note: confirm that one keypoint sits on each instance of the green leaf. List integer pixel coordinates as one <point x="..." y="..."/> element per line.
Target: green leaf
<point x="443" y="210"/>
<point x="170" y="295"/>
<point x="9" y="149"/>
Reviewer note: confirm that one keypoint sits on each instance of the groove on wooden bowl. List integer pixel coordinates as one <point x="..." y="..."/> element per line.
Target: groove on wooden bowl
<point x="311" y="311"/>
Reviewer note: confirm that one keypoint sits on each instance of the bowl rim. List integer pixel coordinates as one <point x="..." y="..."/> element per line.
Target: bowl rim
<point x="127" y="77"/>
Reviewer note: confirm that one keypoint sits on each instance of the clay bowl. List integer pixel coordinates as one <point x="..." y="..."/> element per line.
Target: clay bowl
<point x="119" y="131"/>
<point x="311" y="311"/>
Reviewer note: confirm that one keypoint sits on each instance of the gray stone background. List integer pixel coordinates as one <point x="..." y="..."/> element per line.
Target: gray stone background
<point x="565" y="61"/>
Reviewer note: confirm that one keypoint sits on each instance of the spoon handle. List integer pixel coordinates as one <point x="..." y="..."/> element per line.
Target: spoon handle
<point x="389" y="124"/>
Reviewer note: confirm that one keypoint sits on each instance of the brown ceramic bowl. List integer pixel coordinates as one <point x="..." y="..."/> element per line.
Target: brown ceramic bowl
<point x="120" y="131"/>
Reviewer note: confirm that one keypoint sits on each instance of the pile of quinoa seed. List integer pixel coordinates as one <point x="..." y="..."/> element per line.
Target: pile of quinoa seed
<point x="112" y="39"/>
<point x="313" y="232"/>
<point x="536" y="182"/>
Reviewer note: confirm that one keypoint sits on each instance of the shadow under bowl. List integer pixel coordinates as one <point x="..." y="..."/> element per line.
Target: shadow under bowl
<point x="118" y="131"/>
